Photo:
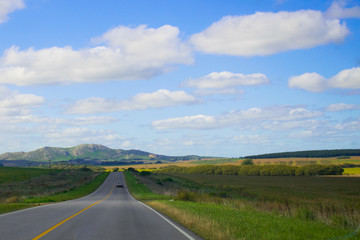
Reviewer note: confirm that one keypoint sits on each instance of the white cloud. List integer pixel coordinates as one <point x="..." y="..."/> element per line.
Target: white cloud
<point x="128" y="53"/>
<point x="338" y="10"/>
<point x="348" y="78"/>
<point x="221" y="80"/>
<point x="78" y="135"/>
<point x="250" y="139"/>
<point x="14" y="99"/>
<point x="157" y="99"/>
<point x="249" y="118"/>
<point x="314" y="82"/>
<point x="341" y="107"/>
<point x="15" y="104"/>
<point x="351" y="125"/>
<point x="310" y="124"/>
<point x="265" y="33"/>
<point x="187" y="122"/>
<point x="226" y="91"/>
<point x="9" y="6"/>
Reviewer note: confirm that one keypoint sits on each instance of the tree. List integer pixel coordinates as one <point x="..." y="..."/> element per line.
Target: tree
<point x="247" y="162"/>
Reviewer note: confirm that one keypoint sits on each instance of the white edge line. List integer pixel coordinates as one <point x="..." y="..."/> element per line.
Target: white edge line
<point x="167" y="220"/>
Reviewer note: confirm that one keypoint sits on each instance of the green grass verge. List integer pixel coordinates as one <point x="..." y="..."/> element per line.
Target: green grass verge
<point x="139" y="190"/>
<point x="72" y="194"/>
<point x="216" y="221"/>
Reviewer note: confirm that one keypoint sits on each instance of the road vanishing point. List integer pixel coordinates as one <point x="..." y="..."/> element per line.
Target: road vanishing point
<point x="106" y="214"/>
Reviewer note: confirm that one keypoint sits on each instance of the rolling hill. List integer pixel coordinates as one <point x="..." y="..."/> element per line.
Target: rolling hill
<point x="85" y="153"/>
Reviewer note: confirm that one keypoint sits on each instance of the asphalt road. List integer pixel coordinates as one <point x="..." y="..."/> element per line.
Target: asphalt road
<point x="108" y="213"/>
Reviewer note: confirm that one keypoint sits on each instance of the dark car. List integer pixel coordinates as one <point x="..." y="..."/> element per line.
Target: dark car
<point x="118" y="185"/>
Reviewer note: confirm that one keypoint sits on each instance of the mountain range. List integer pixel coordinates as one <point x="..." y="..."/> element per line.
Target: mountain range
<point x="86" y="153"/>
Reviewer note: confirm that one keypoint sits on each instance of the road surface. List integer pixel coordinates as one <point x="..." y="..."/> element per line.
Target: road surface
<point x="108" y="213"/>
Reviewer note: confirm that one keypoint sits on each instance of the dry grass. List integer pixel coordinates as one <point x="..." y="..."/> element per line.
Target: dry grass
<point x="208" y="228"/>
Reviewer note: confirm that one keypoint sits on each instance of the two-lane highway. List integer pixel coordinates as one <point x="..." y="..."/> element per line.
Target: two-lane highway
<point x="108" y="213"/>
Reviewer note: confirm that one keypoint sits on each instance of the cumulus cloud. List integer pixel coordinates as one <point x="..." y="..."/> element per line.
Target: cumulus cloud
<point x="265" y="33"/>
<point x="13" y="103"/>
<point x="125" y="54"/>
<point x="221" y="80"/>
<point x="314" y="82"/>
<point x="249" y="118"/>
<point x="336" y="107"/>
<point x="14" y="99"/>
<point x="157" y="99"/>
<point x="9" y="6"/>
<point x="338" y="10"/>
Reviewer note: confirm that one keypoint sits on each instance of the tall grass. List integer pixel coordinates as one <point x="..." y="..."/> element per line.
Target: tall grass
<point x="218" y="222"/>
<point x="334" y="201"/>
<point x="221" y="209"/>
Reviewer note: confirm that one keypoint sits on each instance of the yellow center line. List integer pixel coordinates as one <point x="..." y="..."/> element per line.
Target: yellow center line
<point x="63" y="221"/>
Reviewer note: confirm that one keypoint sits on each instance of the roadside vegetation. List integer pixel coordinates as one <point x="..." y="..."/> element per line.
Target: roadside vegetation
<point x="254" y="207"/>
<point x="26" y="187"/>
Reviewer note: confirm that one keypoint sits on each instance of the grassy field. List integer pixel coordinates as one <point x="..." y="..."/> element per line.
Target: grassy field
<point x="16" y="174"/>
<point x="17" y="192"/>
<point x="237" y="161"/>
<point x="234" y="207"/>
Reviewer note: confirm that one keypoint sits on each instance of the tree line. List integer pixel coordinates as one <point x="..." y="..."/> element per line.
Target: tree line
<point x="310" y="154"/>
<point x="258" y="170"/>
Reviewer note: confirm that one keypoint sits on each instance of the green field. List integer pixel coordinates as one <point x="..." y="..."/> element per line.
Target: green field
<point x="17" y="192"/>
<point x="16" y="174"/>
<point x="243" y="207"/>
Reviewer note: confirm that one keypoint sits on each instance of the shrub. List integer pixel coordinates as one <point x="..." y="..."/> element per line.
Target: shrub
<point x="145" y="173"/>
<point x="130" y="169"/>
<point x="85" y="169"/>
<point x="184" y="195"/>
<point x="247" y="162"/>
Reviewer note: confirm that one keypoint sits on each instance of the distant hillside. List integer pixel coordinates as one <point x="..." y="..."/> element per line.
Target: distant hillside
<point x="310" y="154"/>
<point x="87" y="153"/>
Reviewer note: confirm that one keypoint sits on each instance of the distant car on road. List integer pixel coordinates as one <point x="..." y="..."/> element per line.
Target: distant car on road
<point x="118" y="185"/>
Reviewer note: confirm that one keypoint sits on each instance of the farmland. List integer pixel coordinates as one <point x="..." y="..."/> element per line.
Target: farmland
<point x="238" y="161"/>
<point x="277" y="207"/>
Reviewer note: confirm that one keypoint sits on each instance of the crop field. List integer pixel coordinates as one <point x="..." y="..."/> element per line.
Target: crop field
<point x="238" y="161"/>
<point x="306" y="207"/>
<point x="352" y="171"/>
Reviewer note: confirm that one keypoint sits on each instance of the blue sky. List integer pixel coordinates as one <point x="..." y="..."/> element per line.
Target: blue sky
<point x="214" y="78"/>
